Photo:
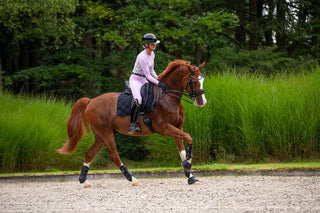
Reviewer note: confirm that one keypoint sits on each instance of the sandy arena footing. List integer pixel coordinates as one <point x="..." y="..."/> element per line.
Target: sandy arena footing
<point x="211" y="194"/>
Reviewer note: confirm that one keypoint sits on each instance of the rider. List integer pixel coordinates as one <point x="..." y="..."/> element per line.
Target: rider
<point x="143" y="70"/>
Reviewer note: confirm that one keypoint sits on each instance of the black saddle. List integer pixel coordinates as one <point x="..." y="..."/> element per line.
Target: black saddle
<point x="125" y="100"/>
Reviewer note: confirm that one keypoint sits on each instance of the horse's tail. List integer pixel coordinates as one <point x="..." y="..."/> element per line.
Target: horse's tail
<point x="77" y="125"/>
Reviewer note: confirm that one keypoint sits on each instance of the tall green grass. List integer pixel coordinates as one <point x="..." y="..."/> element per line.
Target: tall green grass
<point x="254" y="118"/>
<point x="31" y="129"/>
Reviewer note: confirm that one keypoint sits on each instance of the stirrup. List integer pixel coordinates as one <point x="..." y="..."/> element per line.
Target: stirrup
<point x="133" y="128"/>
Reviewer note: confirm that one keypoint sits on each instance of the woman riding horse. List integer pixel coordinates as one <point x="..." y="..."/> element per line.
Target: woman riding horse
<point x="167" y="119"/>
<point x="143" y="69"/>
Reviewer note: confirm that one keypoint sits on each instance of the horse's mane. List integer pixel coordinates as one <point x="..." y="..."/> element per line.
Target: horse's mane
<point x="171" y="66"/>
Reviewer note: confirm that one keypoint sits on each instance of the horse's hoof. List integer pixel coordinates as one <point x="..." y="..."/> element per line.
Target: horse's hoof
<point x="136" y="184"/>
<point x="86" y="184"/>
<point x="192" y="180"/>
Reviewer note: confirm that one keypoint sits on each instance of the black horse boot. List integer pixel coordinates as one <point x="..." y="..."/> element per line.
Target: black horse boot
<point x="135" y="111"/>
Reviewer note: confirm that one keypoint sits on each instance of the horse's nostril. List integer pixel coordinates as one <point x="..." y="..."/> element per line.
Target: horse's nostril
<point x="199" y="101"/>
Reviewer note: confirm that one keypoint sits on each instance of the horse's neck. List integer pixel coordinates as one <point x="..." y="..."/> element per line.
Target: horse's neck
<point x="174" y="80"/>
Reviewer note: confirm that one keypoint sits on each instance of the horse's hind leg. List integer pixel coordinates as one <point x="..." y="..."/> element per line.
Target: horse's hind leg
<point x="114" y="156"/>
<point x="94" y="149"/>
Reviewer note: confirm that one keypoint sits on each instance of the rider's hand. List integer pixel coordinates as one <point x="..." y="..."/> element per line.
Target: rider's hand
<point x="163" y="85"/>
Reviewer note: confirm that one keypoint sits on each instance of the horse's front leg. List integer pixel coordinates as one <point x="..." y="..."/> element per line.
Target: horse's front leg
<point x="186" y="156"/>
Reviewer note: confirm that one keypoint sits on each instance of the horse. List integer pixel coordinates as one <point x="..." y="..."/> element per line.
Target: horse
<point x="167" y="118"/>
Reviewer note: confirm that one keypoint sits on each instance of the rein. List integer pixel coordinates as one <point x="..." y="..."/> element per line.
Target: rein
<point x="157" y="97"/>
<point x="184" y="93"/>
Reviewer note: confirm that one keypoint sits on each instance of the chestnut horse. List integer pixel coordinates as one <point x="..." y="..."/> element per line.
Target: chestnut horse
<point x="167" y="118"/>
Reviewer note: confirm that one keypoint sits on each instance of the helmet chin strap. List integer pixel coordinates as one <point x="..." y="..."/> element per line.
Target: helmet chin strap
<point x="146" y="45"/>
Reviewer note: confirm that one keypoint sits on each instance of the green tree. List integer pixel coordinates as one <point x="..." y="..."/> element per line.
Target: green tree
<point x="183" y="26"/>
<point x="28" y="26"/>
<point x="305" y="28"/>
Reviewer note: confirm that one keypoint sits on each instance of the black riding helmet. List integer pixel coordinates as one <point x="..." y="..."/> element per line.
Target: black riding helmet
<point x="149" y="38"/>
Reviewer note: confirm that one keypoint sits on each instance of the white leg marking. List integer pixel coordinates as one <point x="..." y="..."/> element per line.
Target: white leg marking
<point x="183" y="155"/>
<point x="87" y="164"/>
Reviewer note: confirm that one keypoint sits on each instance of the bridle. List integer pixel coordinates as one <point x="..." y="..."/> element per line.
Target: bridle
<point x="193" y="94"/>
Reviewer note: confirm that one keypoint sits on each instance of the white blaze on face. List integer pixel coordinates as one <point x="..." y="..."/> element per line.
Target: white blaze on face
<point x="201" y="80"/>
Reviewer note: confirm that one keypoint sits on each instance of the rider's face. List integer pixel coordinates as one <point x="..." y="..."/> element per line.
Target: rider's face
<point x="152" y="46"/>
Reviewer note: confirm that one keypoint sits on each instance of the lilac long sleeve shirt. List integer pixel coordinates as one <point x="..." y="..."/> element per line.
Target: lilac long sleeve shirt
<point x="143" y="70"/>
<point x="145" y="66"/>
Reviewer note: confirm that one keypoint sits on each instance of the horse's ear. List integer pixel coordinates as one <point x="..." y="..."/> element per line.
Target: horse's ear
<point x="202" y="65"/>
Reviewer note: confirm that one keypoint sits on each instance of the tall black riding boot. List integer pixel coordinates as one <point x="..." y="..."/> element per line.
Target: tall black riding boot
<point x="134" y="117"/>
